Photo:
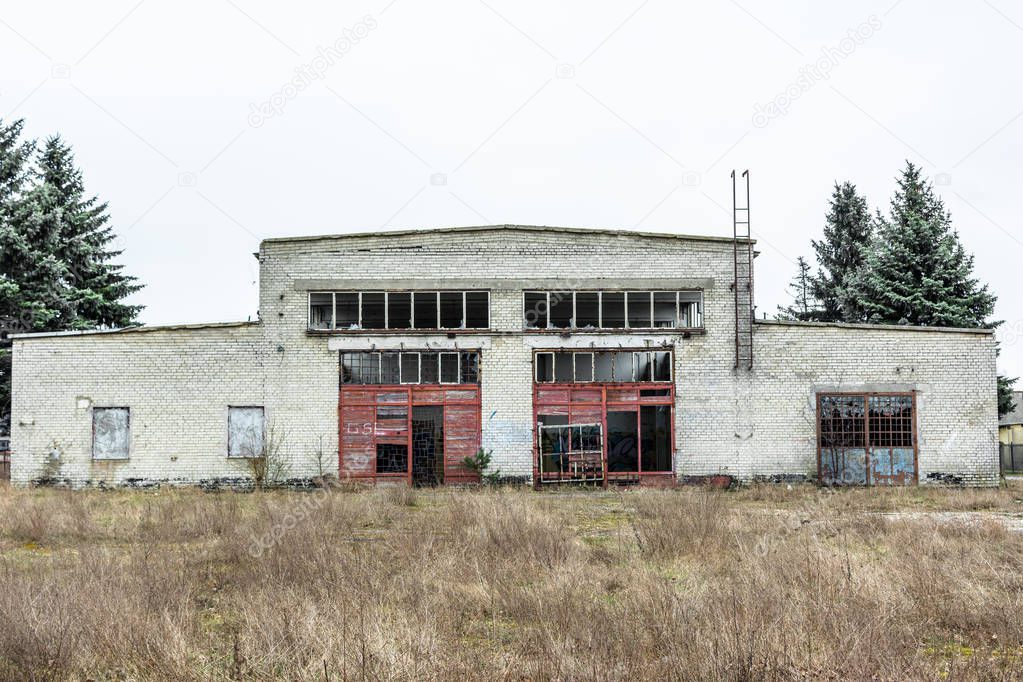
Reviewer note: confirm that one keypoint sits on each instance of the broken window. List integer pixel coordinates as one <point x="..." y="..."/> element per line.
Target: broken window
<point x="389" y="368"/>
<point x="429" y="368"/>
<point x="891" y="421"/>
<point x="246" y="430"/>
<point x="564" y="370"/>
<point x="449" y="368"/>
<point x="425" y="309"/>
<point x="690" y="309"/>
<point x="111" y="432"/>
<point x="584" y="366"/>
<point x="561" y="309"/>
<point x="374" y="312"/>
<point x="655" y="437"/>
<point x="469" y="371"/>
<point x="321" y="308"/>
<point x="409" y="367"/>
<point x="665" y="309"/>
<point x="603" y="366"/>
<point x="452" y="309"/>
<point x="346" y="310"/>
<point x="662" y="366"/>
<point x="866" y="439"/>
<point x="477" y="309"/>
<point x="392" y="458"/>
<point x="535" y="309"/>
<point x="623" y="367"/>
<point x="587" y="309"/>
<point x="360" y="368"/>
<point x="640" y="309"/>
<point x="544" y="367"/>
<point x="641" y="367"/>
<point x="399" y="310"/>
<point x="612" y="309"/>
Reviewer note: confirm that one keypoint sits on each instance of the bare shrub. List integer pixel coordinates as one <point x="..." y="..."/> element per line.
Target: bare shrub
<point x="507" y="584"/>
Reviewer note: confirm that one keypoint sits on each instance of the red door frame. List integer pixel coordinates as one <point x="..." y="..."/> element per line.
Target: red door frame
<point x="367" y="398"/>
<point x="559" y="396"/>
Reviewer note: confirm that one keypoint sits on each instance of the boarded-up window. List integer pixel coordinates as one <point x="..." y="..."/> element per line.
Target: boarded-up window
<point x="245" y="431"/>
<point x="111" y="432"/>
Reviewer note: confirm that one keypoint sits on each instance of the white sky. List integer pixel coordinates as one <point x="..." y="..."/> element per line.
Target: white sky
<point x="587" y="114"/>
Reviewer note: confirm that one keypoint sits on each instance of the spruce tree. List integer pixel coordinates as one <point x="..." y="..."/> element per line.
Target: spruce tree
<point x="17" y="254"/>
<point x="55" y="258"/>
<point x="917" y="272"/>
<point x="95" y="284"/>
<point x="840" y="254"/>
<point x="804" y="306"/>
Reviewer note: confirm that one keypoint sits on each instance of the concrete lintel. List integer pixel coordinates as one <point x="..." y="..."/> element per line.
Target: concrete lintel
<point x="424" y="342"/>
<point x="498" y="284"/>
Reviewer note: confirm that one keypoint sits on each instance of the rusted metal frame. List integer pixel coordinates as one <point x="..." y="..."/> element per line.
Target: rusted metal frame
<point x="916" y="440"/>
<point x="408" y="402"/>
<point x="605" y="405"/>
<point x="868" y="475"/>
<point x="868" y="449"/>
<point x="603" y="434"/>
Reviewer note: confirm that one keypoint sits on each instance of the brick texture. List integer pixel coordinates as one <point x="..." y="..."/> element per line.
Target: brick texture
<point x="180" y="382"/>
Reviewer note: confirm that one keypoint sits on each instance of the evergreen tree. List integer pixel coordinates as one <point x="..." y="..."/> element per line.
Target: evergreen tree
<point x="917" y="272"/>
<point x="16" y="252"/>
<point x="804" y="306"/>
<point x="55" y="262"/>
<point x="95" y="285"/>
<point x="840" y="254"/>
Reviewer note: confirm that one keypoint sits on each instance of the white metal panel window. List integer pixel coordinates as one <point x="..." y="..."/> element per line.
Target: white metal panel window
<point x="111" y="432"/>
<point x="246" y="431"/>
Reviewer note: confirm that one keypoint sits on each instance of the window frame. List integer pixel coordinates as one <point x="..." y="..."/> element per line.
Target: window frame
<point x="387" y="293"/>
<point x="460" y="366"/>
<point x="821" y="396"/>
<point x="626" y="294"/>
<point x="650" y="353"/>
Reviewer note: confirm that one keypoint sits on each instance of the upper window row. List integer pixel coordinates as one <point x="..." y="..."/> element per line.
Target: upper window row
<point x="612" y="309"/>
<point x="399" y="310"/>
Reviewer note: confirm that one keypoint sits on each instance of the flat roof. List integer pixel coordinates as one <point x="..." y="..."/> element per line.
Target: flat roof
<point x="139" y="328"/>
<point x="528" y="228"/>
<point x="890" y="327"/>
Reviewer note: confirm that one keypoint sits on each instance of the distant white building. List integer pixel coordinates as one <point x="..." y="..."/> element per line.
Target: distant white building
<point x="571" y="354"/>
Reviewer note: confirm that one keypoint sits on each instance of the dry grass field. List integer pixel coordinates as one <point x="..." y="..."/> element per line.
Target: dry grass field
<point x="765" y="582"/>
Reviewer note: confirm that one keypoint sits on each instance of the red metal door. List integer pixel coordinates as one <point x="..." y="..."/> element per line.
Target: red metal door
<point x="375" y="430"/>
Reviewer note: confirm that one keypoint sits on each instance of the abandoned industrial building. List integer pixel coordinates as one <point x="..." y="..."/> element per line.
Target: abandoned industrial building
<point x="569" y="354"/>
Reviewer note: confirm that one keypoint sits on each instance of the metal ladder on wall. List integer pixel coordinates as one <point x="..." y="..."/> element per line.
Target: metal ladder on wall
<point x="742" y="286"/>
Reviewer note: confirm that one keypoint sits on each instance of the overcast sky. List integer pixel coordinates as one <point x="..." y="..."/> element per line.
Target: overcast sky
<point x="211" y="125"/>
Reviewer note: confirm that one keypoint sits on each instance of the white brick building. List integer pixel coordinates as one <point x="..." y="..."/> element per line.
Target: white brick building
<point x="394" y="355"/>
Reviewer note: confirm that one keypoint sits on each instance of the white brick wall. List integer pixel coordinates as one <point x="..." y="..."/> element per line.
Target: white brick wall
<point x="179" y="382"/>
